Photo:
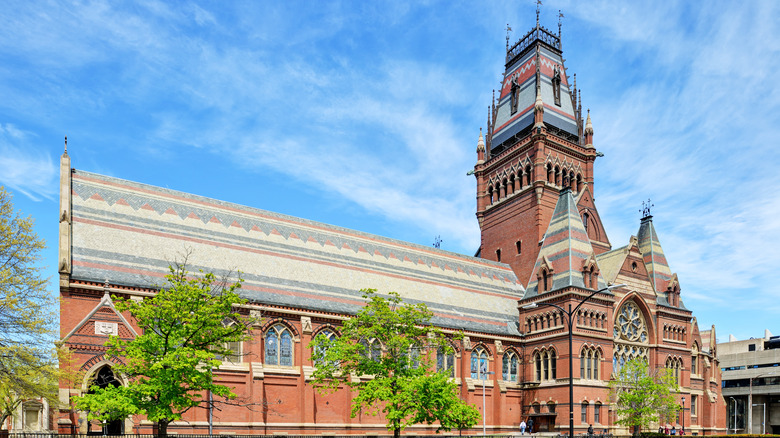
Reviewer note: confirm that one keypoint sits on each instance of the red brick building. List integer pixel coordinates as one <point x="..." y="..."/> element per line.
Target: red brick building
<point x="542" y="243"/>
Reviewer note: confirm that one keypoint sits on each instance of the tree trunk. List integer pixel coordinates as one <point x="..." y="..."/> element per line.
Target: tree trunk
<point x="397" y="432"/>
<point x="162" y="428"/>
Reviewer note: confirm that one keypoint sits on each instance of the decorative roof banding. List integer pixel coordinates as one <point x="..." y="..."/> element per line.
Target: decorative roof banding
<point x="565" y="251"/>
<point x="130" y="233"/>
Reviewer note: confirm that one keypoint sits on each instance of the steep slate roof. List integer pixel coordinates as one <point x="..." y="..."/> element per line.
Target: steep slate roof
<point x="565" y="248"/>
<point x="610" y="262"/>
<point x="129" y="233"/>
<point x="653" y="255"/>
<point x="521" y="71"/>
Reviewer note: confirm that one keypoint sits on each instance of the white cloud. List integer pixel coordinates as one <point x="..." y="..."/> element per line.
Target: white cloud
<point x="24" y="166"/>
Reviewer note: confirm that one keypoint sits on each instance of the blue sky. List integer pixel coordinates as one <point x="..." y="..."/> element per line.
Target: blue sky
<point x="366" y="115"/>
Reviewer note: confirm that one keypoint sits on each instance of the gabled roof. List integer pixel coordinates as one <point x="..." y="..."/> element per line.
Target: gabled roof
<point x="610" y="262"/>
<point x="565" y="250"/>
<point x="129" y="233"/>
<point x="103" y="320"/>
<point x="653" y="255"/>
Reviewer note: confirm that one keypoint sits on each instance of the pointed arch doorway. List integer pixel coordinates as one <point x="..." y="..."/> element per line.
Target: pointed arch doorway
<point x="103" y="379"/>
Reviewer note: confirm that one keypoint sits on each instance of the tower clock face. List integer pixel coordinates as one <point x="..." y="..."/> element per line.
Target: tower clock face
<point x="630" y="324"/>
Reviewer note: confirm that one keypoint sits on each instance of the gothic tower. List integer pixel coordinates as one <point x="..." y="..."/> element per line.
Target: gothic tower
<point x="536" y="144"/>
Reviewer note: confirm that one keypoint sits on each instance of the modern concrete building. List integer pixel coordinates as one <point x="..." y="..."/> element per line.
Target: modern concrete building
<point x="751" y="383"/>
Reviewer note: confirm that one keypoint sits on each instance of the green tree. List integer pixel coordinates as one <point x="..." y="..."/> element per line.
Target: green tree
<point x="643" y="397"/>
<point x="185" y="329"/>
<point x="390" y="346"/>
<point x="27" y="321"/>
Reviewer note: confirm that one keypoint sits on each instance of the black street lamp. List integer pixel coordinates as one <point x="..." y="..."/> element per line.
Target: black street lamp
<point x="570" y="313"/>
<point x="682" y="417"/>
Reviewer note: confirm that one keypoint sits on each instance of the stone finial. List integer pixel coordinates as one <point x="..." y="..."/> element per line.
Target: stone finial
<point x="481" y="142"/>
<point x="588" y="125"/>
<point x="66" y="146"/>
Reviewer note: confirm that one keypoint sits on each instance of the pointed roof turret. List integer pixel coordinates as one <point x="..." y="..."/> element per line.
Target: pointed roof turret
<point x="588" y="131"/>
<point x="566" y="252"/>
<point x="653" y="255"/>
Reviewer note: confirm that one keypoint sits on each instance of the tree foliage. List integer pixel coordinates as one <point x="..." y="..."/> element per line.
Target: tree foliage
<point x="27" y="320"/>
<point x="185" y="329"/>
<point x="26" y="378"/>
<point x="643" y="397"/>
<point x="386" y="354"/>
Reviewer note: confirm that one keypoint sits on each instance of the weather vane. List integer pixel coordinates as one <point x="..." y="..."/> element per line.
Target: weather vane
<point x="538" y="3"/>
<point x="646" y="206"/>
<point x="437" y="242"/>
<point x="508" y="29"/>
<point x="560" y="15"/>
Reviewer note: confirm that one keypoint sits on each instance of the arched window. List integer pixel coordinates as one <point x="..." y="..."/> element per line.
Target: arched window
<point x="597" y="413"/>
<point x="538" y="366"/>
<point x="445" y="361"/>
<point x="509" y="366"/>
<point x="550" y="174"/>
<point x="553" y="365"/>
<point x="479" y="363"/>
<point x="515" y="92"/>
<point x="589" y="363"/>
<point x="278" y="346"/>
<point x="545" y="281"/>
<point x="234" y="347"/>
<point x="694" y="359"/>
<point x="584" y="412"/>
<point x="372" y="349"/>
<point x="557" y="176"/>
<point x="328" y="334"/>
<point x="490" y="194"/>
<point x="585" y="221"/>
<point x="630" y="335"/>
<point x="528" y="175"/>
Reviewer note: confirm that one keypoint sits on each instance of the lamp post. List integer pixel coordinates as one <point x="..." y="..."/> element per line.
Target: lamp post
<point x="570" y="313"/>
<point x="750" y="400"/>
<point x="682" y="416"/>
<point x="735" y="414"/>
<point x="483" y="374"/>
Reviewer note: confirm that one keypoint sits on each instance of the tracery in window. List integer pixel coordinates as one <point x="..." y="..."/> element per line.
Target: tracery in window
<point x="234" y="356"/>
<point x="545" y="364"/>
<point x="509" y="366"/>
<point x="326" y="334"/>
<point x="630" y="324"/>
<point x="630" y="335"/>
<point x="479" y="363"/>
<point x="278" y="346"/>
<point x="445" y="361"/>
<point x="590" y="358"/>
<point x="675" y="364"/>
<point x="372" y="349"/>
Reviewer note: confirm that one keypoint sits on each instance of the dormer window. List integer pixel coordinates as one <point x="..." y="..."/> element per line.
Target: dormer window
<point x="556" y="86"/>
<point x="514" y="94"/>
